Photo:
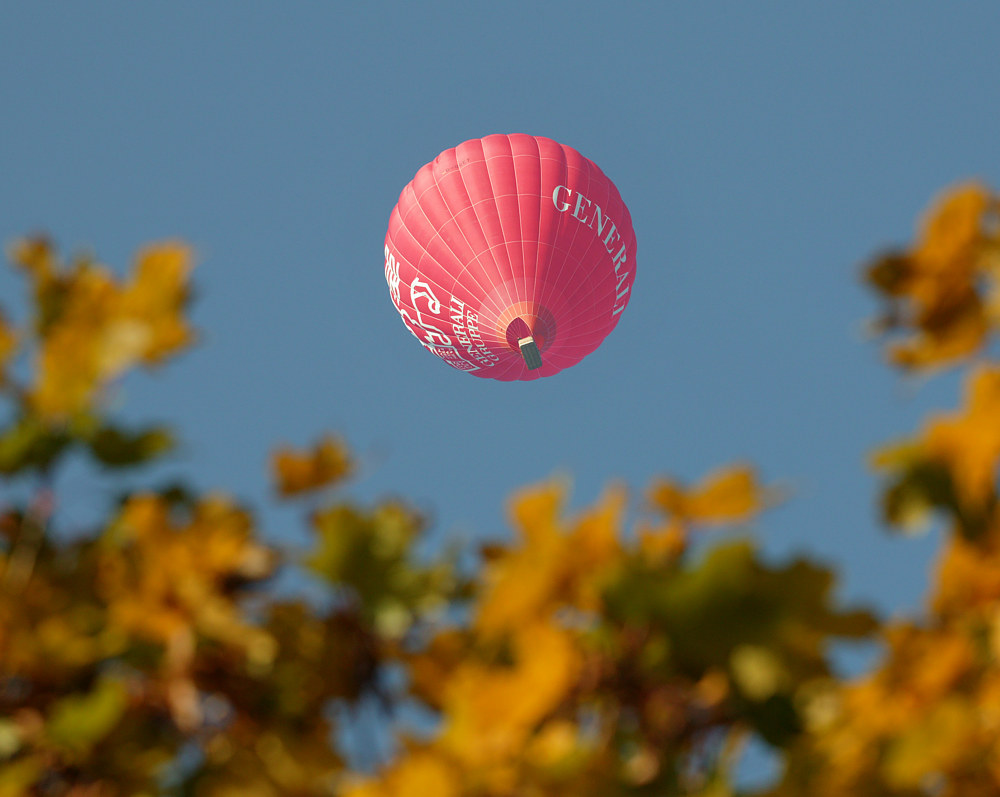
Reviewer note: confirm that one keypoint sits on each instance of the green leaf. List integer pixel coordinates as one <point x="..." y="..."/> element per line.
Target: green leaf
<point x="371" y="553"/>
<point x="730" y="599"/>
<point x="775" y="719"/>
<point x="78" y="722"/>
<point x="30" y="444"/>
<point x="889" y="273"/>
<point x="115" y="447"/>
<point x="923" y="486"/>
<point x="50" y="302"/>
<point x="18" y="776"/>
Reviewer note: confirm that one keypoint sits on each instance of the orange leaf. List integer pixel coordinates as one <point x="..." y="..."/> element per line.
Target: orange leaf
<point x="951" y="227"/>
<point x="491" y="711"/>
<point x="68" y="373"/>
<point x="155" y="298"/>
<point x="728" y="495"/>
<point x="422" y="772"/>
<point x="968" y="580"/>
<point x="936" y="289"/>
<point x="8" y="345"/>
<point x="553" y="566"/>
<point x="959" y="339"/>
<point x="969" y="441"/>
<point x="166" y="577"/>
<point x="35" y="256"/>
<point x="96" y="328"/>
<point x="302" y="471"/>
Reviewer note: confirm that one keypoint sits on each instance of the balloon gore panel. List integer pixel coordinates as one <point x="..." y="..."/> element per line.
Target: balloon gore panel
<point x="508" y="238"/>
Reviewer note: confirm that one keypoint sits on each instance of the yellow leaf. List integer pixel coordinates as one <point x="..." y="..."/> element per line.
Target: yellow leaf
<point x="553" y="744"/>
<point x="553" y="566"/>
<point x="431" y="669"/>
<point x="758" y="671"/>
<point x="35" y="256"/>
<point x="896" y="455"/>
<point x="937" y="289"/>
<point x="68" y="373"/>
<point x="936" y="745"/>
<point x="968" y="579"/>
<point x="79" y="721"/>
<point x="593" y="552"/>
<point x="535" y="512"/>
<point x="72" y="360"/>
<point x="952" y="226"/>
<point x="924" y="666"/>
<point x="8" y="345"/>
<point x="301" y="471"/>
<point x="520" y="583"/>
<point x="423" y="772"/>
<point x="728" y="495"/>
<point x="19" y="776"/>
<point x="663" y="544"/>
<point x="154" y="300"/>
<point x="969" y="441"/>
<point x="490" y="711"/>
<point x="363" y="787"/>
<point x="165" y="578"/>
<point x="97" y="328"/>
<point x="963" y="335"/>
<point x="593" y="540"/>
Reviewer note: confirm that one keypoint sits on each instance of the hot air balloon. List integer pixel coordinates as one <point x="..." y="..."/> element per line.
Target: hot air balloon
<point x="510" y="256"/>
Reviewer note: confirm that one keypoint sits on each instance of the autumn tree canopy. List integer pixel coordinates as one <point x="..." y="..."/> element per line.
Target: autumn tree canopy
<point x="597" y="654"/>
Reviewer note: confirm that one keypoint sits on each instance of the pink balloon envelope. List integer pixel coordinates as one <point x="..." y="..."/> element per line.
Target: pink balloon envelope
<point x="510" y="256"/>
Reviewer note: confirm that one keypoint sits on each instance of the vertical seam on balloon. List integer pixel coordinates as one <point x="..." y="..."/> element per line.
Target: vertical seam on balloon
<point x="500" y="348"/>
<point x="509" y="156"/>
<point x="572" y="244"/>
<point x="408" y="303"/>
<point x="586" y="281"/>
<point x="465" y="264"/>
<point x="437" y="230"/>
<point x="630" y="248"/>
<point x="550" y="243"/>
<point x="633" y="247"/>
<point x="448" y="207"/>
<point x="553" y="284"/>
<point x="423" y="246"/>
<point x="628" y="243"/>
<point x="461" y="173"/>
<point x="587" y="296"/>
<point x="427" y="278"/>
<point x="541" y="199"/>
<point x="621" y="214"/>
<point x="454" y="217"/>
<point x="503" y="232"/>
<point x="437" y="234"/>
<point x="416" y="266"/>
<point x="591" y="289"/>
<point x="570" y="327"/>
<point x="520" y="217"/>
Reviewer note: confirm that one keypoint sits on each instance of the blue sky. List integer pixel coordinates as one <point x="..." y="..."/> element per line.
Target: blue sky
<point x="764" y="150"/>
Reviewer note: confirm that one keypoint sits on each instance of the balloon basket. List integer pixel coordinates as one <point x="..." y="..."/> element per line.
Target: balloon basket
<point x="529" y="351"/>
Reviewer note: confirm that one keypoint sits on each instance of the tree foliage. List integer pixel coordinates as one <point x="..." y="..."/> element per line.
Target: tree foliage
<point x="592" y="654"/>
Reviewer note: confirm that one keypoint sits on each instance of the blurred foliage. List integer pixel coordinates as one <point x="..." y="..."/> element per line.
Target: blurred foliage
<point x="621" y="650"/>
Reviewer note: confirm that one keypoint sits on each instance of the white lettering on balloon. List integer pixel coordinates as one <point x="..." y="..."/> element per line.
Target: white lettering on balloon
<point x="562" y="198"/>
<point x="465" y="328"/>
<point x="464" y="348"/>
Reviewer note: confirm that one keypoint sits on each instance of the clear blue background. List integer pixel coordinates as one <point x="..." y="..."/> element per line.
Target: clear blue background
<point x="765" y="151"/>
